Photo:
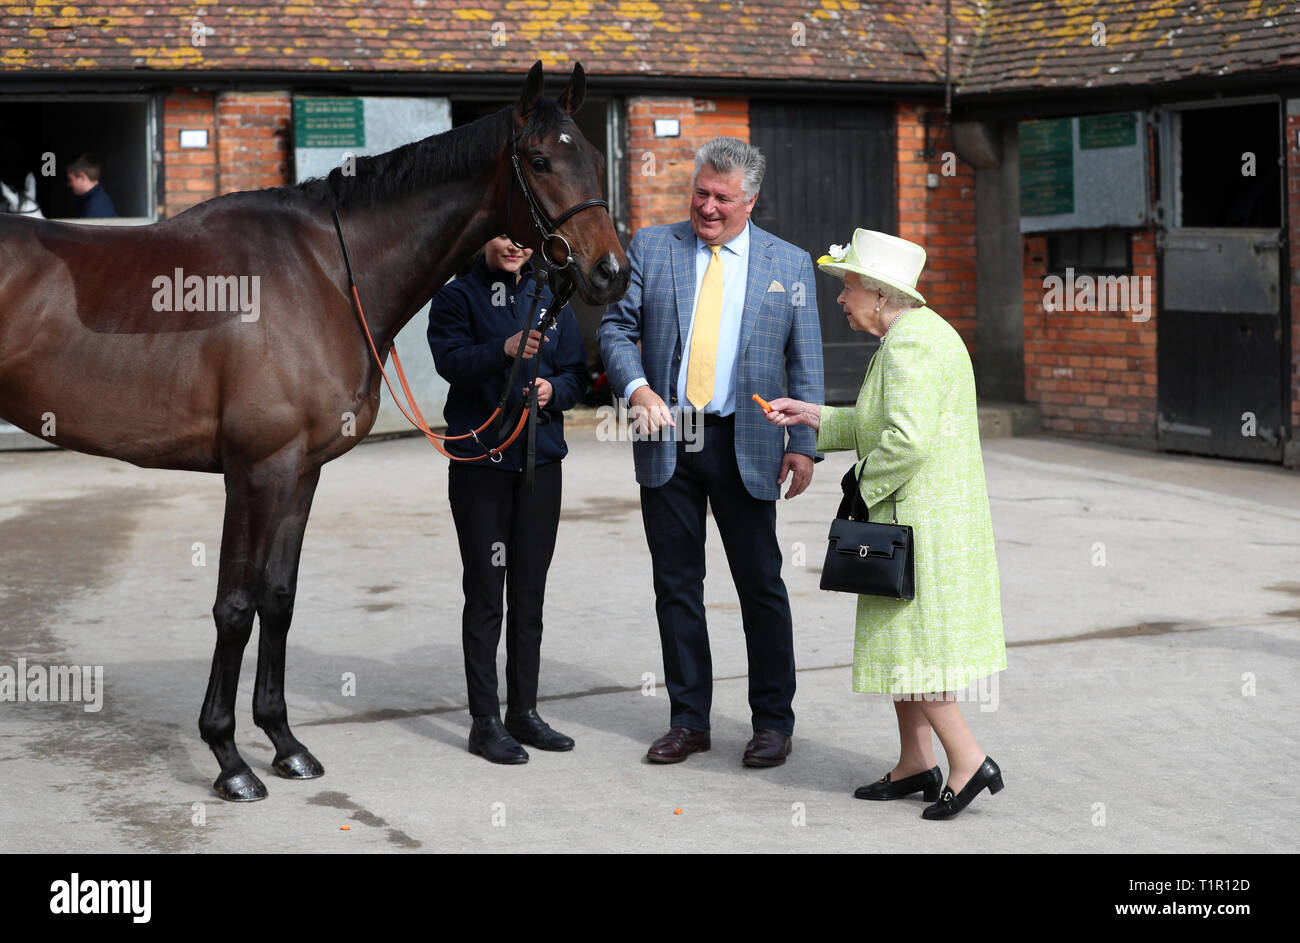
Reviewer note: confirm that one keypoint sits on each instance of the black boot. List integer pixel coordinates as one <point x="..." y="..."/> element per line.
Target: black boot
<point x="490" y="740"/>
<point x="528" y="728"/>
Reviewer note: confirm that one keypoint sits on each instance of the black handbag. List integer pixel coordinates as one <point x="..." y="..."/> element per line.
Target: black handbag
<point x="865" y="557"/>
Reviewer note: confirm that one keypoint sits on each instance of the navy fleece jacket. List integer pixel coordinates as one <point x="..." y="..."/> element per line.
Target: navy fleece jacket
<point x="467" y="333"/>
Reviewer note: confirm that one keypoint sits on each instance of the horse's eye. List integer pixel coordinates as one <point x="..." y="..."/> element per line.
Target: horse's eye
<point x="541" y="164"/>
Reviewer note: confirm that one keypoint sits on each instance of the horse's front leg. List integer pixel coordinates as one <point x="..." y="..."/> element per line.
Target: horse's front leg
<point x="275" y="600"/>
<point x="256" y="500"/>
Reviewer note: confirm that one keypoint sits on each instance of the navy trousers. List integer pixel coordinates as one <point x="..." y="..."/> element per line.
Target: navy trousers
<point x="674" y="516"/>
<point x="507" y="539"/>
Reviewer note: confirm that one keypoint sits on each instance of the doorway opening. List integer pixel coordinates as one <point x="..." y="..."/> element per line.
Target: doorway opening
<point x="117" y="131"/>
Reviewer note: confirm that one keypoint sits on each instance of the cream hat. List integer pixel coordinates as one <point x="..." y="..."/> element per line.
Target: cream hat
<point x="880" y="259"/>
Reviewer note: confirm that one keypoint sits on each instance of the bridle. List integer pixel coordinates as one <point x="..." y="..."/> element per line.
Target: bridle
<point x="542" y="222"/>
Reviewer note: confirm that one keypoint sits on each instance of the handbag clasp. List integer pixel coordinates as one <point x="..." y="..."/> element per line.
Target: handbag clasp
<point x="862" y="550"/>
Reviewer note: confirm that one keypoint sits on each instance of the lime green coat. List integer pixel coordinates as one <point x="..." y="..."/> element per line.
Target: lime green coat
<point x="916" y="426"/>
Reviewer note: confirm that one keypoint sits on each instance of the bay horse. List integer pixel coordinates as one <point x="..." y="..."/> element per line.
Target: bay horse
<point x="110" y="345"/>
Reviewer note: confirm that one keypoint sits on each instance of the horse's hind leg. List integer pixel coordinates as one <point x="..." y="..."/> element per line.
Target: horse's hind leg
<point x="255" y="502"/>
<point x="275" y="612"/>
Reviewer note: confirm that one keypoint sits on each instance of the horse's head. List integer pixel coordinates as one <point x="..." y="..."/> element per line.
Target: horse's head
<point x="24" y="204"/>
<point x="554" y="202"/>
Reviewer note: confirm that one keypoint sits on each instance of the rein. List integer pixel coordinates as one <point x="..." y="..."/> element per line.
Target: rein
<point x="562" y="291"/>
<point x="418" y="420"/>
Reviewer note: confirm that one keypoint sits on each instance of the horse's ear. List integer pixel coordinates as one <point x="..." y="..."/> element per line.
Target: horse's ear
<point x="570" y="99"/>
<point x="29" y="184"/>
<point x="532" y="92"/>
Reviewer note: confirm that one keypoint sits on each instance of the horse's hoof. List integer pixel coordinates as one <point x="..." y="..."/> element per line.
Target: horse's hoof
<point x="243" y="786"/>
<point x="298" y="766"/>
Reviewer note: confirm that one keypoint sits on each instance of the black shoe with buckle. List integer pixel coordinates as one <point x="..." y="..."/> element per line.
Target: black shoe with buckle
<point x="527" y="727"/>
<point x="949" y="805"/>
<point x="926" y="783"/>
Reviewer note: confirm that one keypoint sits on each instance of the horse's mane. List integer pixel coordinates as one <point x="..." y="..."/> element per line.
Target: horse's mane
<point x="459" y="152"/>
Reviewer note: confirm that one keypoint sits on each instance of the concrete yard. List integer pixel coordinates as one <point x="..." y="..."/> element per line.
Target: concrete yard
<point x="1152" y="612"/>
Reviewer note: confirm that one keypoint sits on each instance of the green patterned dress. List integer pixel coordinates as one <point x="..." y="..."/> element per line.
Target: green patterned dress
<point x="916" y="425"/>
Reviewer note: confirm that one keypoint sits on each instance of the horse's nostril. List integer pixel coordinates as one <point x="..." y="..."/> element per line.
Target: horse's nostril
<point x="604" y="272"/>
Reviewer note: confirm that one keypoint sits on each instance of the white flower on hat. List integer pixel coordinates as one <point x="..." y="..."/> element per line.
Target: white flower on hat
<point x="838" y="252"/>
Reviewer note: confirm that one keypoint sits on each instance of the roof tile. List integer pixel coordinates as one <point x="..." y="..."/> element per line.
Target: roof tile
<point x="838" y="40"/>
<point x="1031" y="46"/>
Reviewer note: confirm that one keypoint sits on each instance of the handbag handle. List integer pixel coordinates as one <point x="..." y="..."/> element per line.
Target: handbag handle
<point x="852" y="507"/>
<point x="853" y="498"/>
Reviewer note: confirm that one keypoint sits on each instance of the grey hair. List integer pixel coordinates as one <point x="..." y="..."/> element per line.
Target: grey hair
<point x="893" y="296"/>
<point x="727" y="154"/>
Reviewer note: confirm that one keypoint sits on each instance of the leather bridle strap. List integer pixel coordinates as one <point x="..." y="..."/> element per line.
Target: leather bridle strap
<point x="561" y="292"/>
<point x="546" y="227"/>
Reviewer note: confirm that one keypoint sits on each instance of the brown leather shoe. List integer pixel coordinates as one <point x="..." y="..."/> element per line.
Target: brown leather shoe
<point x="768" y="748"/>
<point x="677" y="744"/>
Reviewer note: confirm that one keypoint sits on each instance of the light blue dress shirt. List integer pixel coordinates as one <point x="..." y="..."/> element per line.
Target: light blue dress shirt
<point x="734" y="256"/>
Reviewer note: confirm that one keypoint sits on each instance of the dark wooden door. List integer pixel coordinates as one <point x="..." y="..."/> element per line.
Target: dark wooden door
<point x="1219" y="344"/>
<point x="830" y="170"/>
<point x="1222" y="315"/>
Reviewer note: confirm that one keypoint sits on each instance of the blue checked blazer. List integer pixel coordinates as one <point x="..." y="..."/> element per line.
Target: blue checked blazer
<point x="780" y="340"/>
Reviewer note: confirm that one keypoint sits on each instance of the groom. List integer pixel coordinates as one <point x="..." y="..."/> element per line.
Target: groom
<point x="722" y="310"/>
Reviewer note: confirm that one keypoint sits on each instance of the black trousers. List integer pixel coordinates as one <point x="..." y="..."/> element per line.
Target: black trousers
<point x="674" y="516"/>
<point x="507" y="539"/>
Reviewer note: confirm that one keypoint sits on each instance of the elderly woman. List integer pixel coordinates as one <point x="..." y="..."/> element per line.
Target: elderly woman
<point x="915" y="429"/>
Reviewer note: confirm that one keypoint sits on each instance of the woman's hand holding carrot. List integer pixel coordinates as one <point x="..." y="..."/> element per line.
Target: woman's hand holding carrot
<point x="793" y="412"/>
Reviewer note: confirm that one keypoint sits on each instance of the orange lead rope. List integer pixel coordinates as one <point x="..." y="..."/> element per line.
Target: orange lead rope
<point x="418" y="422"/>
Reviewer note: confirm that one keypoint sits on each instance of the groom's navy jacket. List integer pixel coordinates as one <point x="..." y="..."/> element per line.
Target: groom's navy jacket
<point x="466" y="335"/>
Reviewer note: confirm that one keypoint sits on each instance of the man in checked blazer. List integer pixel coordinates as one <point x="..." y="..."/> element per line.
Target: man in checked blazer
<point x="721" y="310"/>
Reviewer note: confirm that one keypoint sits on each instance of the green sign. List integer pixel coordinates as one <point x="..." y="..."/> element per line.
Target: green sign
<point x="1119" y="130"/>
<point x="1047" y="167"/>
<point x="1053" y="136"/>
<point x="329" y="122"/>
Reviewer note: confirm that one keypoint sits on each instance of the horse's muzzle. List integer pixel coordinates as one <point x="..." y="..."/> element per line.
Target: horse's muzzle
<point x="605" y="282"/>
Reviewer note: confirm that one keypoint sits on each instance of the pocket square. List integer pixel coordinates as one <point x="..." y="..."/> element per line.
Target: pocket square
<point x="775" y="286"/>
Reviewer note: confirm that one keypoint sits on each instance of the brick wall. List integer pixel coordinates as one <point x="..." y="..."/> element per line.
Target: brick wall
<point x="191" y="173"/>
<point x="1092" y="373"/>
<point x="940" y="219"/>
<point x="659" y="170"/>
<point x="253" y="139"/>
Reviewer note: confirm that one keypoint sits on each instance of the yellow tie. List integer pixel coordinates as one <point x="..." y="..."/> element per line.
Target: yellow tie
<point x="704" y="335"/>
